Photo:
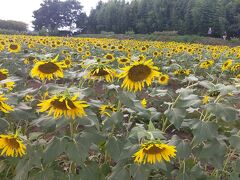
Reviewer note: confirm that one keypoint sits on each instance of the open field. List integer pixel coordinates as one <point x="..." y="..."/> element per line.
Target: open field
<point x="168" y="37"/>
<point x="118" y="109"/>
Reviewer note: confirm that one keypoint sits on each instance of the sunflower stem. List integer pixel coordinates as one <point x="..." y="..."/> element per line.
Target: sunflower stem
<point x="71" y="128"/>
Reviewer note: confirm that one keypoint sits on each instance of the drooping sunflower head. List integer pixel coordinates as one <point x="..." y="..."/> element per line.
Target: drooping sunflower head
<point x="227" y="65"/>
<point x="14" y="47"/>
<point x="3" y="74"/>
<point x="206" y="64"/>
<point x="8" y="85"/>
<point x="154" y="152"/>
<point x="47" y="70"/>
<point x="101" y="72"/>
<point x="3" y="106"/>
<point x="12" y="145"/>
<point x="66" y="105"/>
<point x="107" y="109"/>
<point x="137" y="74"/>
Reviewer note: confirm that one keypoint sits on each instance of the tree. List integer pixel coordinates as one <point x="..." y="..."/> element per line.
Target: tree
<point x="13" y="25"/>
<point x="56" y="14"/>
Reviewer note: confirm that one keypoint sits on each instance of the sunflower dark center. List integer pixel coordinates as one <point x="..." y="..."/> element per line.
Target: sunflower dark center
<point x="109" y="57"/>
<point x="124" y="60"/>
<point x="48" y="68"/>
<point x="101" y="72"/>
<point x="62" y="105"/>
<point x="13" y="46"/>
<point x="2" y="76"/>
<point x="153" y="150"/>
<point x="67" y="62"/>
<point x="139" y="73"/>
<point x="31" y="58"/>
<point x="12" y="142"/>
<point x="163" y="78"/>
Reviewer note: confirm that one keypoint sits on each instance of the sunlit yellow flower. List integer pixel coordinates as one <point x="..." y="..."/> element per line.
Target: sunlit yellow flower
<point x="28" y="97"/>
<point x="109" y="57"/>
<point x="227" y="65"/>
<point x="12" y="145"/>
<point x="206" y="64"/>
<point x="205" y="99"/>
<point x="163" y="79"/>
<point x="123" y="60"/>
<point x="137" y="74"/>
<point x="8" y="85"/>
<point x="100" y="73"/>
<point x="47" y="70"/>
<point x="107" y="109"/>
<point x="182" y="72"/>
<point x="14" y="47"/>
<point x="1" y="47"/>
<point x="61" y="105"/>
<point x="144" y="102"/>
<point x="154" y="152"/>
<point x="3" y="106"/>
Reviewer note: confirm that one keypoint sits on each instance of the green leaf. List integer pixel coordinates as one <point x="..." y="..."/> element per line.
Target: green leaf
<point x="117" y="117"/>
<point x="122" y="174"/>
<point x="176" y="116"/>
<point x="3" y="124"/>
<point x="224" y="112"/>
<point x="53" y="149"/>
<point x="235" y="142"/>
<point x="213" y="152"/>
<point x="204" y="131"/>
<point x="183" y="150"/>
<point x="114" y="148"/>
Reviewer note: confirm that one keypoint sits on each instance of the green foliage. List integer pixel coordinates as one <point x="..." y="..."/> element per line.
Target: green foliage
<point x="56" y="14"/>
<point x="183" y="16"/>
<point x="13" y="26"/>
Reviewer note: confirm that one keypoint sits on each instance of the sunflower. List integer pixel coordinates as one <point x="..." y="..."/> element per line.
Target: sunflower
<point x="3" y="74"/>
<point x="137" y="74"/>
<point x="66" y="63"/>
<point x="47" y="69"/>
<point x="103" y="72"/>
<point x="206" y="64"/>
<point x="205" y="99"/>
<point x="28" y="98"/>
<point x="227" y="65"/>
<point x="63" y="104"/>
<point x="109" y="57"/>
<point x="182" y="72"/>
<point x="144" y="103"/>
<point x="3" y="106"/>
<point x="8" y="85"/>
<point x="163" y="79"/>
<point x="107" y="109"/>
<point x="14" y="47"/>
<point x="1" y="47"/>
<point x="153" y="152"/>
<point x="12" y="145"/>
<point x="123" y="60"/>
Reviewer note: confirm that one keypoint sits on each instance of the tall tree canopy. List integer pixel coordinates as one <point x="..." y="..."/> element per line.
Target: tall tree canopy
<point x="55" y="14"/>
<point x="184" y="16"/>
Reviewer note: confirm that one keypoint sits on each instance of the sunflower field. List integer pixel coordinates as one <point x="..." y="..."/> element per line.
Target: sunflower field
<point x="96" y="109"/>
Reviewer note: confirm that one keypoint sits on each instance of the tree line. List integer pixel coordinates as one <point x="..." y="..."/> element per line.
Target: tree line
<point x="144" y="16"/>
<point x="13" y="25"/>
